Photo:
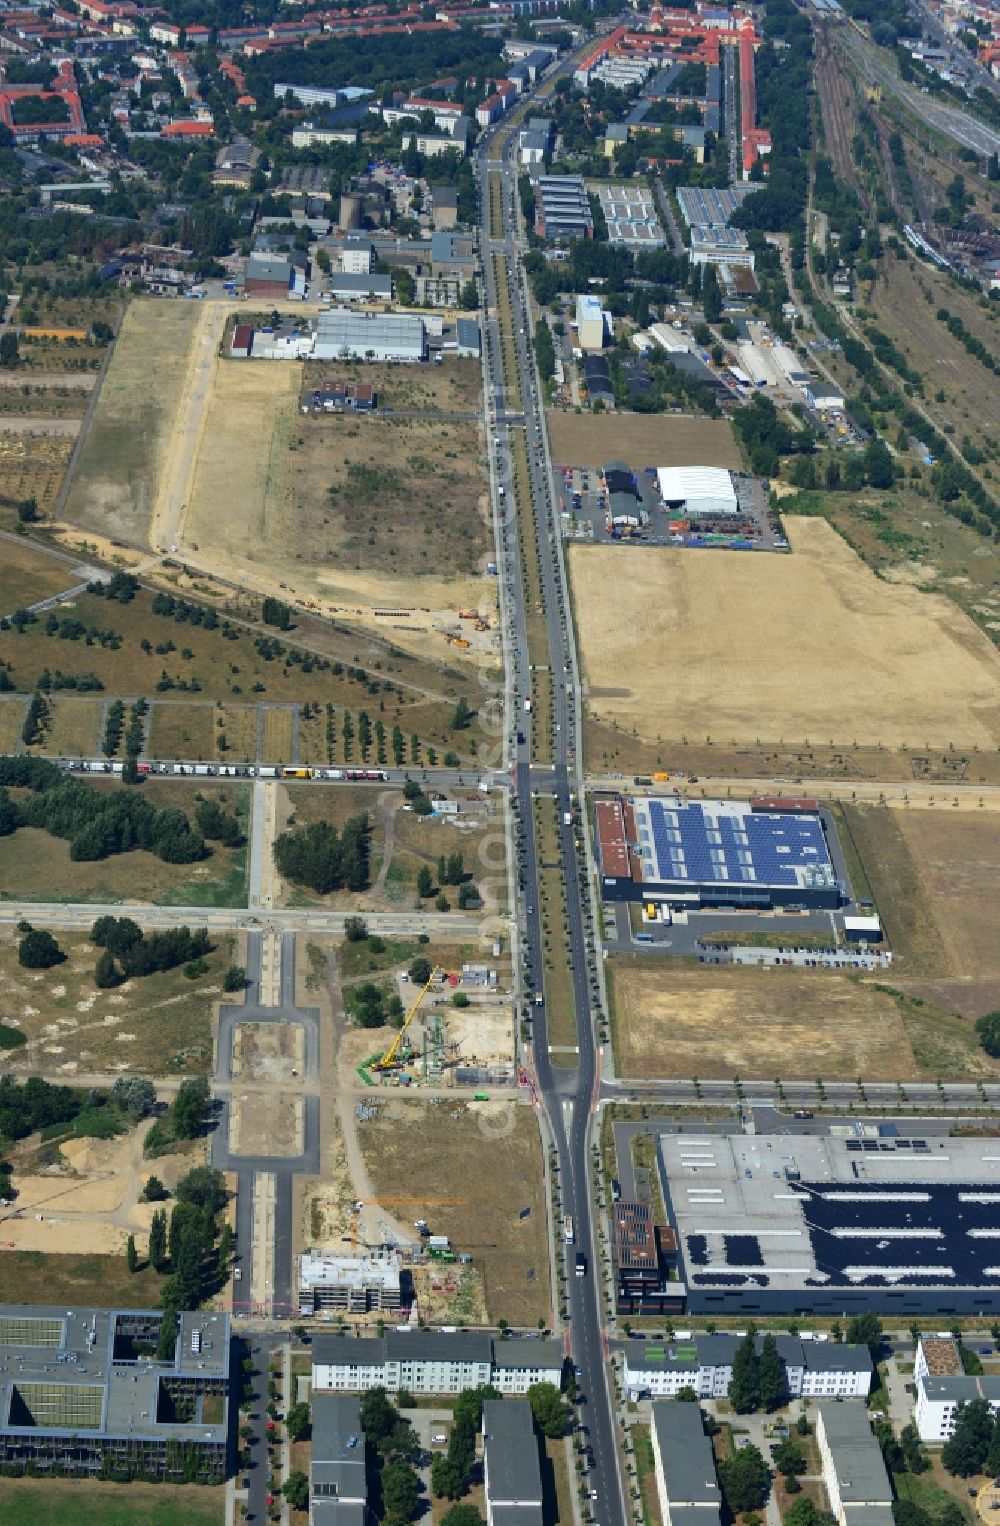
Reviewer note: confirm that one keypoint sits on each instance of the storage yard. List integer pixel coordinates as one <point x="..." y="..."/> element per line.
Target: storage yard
<point x="808" y="646"/>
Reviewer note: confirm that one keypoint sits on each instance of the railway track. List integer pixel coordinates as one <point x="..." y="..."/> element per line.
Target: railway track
<point x="835" y="93"/>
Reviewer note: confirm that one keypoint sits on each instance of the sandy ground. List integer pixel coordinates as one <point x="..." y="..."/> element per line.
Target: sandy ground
<point x="808" y="646"/>
<point x="90" y="1203"/>
<point x="263" y="1124"/>
<point x="641" y="439"/>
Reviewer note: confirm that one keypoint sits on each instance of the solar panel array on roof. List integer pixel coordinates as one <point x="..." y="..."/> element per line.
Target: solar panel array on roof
<point x="691" y="842"/>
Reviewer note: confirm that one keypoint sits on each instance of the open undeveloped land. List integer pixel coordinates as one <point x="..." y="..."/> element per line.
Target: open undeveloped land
<point x="83" y="1502"/>
<point x="935" y="877"/>
<point x="27" y="574"/>
<point x="31" y="466"/>
<point x="641" y="439"/>
<point x="711" y="1021"/>
<point x="155" y="1026"/>
<point x="808" y="646"/>
<point x="114" y="489"/>
<point x="471" y="1170"/>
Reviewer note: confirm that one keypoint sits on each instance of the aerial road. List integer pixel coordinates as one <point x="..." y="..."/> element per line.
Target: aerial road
<point x="569" y="1094"/>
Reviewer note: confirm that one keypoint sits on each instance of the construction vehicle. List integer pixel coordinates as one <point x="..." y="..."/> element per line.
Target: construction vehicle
<point x="458" y="641"/>
<point x="390" y="1060"/>
<point x="468" y="614"/>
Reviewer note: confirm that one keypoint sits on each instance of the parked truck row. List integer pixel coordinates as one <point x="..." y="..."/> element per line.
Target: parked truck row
<point x="225" y="770"/>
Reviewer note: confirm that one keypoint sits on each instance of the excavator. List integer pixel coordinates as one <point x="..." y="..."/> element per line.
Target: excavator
<point x="389" y="1060"/>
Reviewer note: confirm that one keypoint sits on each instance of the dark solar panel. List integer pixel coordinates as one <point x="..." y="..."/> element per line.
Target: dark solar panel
<point x="743" y="1250"/>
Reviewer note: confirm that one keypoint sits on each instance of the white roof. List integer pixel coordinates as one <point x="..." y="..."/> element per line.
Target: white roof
<point x="677" y="482"/>
<point x="588" y="306"/>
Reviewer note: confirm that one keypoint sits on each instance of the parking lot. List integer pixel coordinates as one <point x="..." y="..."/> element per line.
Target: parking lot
<point x="585" y="512"/>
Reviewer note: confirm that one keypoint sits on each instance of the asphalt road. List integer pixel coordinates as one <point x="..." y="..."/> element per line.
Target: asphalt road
<point x="81" y="914"/>
<point x="568" y="1094"/>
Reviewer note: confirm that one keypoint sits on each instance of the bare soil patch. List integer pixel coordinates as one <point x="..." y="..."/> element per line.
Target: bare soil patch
<point x="641" y="439"/>
<point x="808" y="646"/>
<point x="470" y="1170"/>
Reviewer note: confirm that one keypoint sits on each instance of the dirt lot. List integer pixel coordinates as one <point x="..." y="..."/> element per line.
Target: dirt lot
<point x="155" y="1026"/>
<point x="31" y="466"/>
<point x="470" y="1169"/>
<point x="935" y="876"/>
<point x="679" y="1020"/>
<point x="809" y="646"/>
<point x="89" y="1199"/>
<point x="115" y="485"/>
<point x="263" y="1124"/>
<point x="267" y="1051"/>
<point x="453" y="387"/>
<point x="641" y="439"/>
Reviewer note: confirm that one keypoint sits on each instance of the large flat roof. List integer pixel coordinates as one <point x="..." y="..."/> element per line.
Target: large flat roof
<point x="686" y="1456"/>
<point x="720" y="842"/>
<point x="795" y="1213"/>
<point x="856" y="1455"/>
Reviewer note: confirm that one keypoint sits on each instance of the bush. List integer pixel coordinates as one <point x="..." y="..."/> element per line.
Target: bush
<point x="38" y="950"/>
<point x="235" y="978"/>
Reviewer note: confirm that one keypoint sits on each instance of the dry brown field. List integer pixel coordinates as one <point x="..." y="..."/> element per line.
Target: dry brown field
<point x="808" y="647"/>
<point x="453" y="387"/>
<point x="27" y="575"/>
<point x="470" y="1169"/>
<point x="114" y="489"/>
<point x="711" y="1021"/>
<point x="74" y="728"/>
<point x="584" y="439"/>
<point x="12" y="711"/>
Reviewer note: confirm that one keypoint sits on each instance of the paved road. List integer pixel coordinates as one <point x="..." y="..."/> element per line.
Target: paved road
<point x="944" y="1096"/>
<point x="568" y="1094"/>
<point x="56" y="914"/>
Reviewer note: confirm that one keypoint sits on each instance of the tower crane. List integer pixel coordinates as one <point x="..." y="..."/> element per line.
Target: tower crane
<point x="389" y="1060"/>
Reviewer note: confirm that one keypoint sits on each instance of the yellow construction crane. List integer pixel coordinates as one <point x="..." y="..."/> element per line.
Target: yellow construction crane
<point x="388" y="1060"/>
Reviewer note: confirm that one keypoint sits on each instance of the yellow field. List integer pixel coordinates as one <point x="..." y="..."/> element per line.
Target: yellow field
<point x="779" y="648"/>
<point x="641" y="439"/>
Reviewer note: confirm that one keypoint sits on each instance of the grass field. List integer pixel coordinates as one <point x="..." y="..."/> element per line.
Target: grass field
<point x="278" y="736"/>
<point x="73" y="729"/>
<point x="114" y="489"/>
<point x="103" y="1281"/>
<point x="11" y="721"/>
<point x="178" y="730"/>
<point x="155" y="1026"/>
<point x="780" y="649"/>
<point x="27" y="575"/>
<point x="84" y="1502"/>
<point x="471" y="1170"/>
<point x="670" y="1019"/>
<point x="641" y="439"/>
<point x="239" y="727"/>
<point x="37" y="867"/>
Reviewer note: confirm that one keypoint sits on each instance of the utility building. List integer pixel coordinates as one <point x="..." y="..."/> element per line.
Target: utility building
<point x="343" y="335"/>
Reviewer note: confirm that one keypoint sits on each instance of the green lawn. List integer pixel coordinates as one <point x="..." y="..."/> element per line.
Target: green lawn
<point x="79" y="1502"/>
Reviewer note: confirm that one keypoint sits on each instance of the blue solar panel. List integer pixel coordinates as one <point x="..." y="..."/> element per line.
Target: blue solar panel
<point x="692" y="843"/>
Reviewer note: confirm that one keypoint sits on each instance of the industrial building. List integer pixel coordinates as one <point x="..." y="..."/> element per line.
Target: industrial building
<point x="338" y="1482"/>
<point x="697" y="490"/>
<point x="630" y="213"/>
<point x="342" y="396"/>
<point x="725" y="247"/>
<point x="854" y="1472"/>
<point x="590" y="322"/>
<point x="834" y="1224"/>
<point x="684" y="1466"/>
<point x="357" y="254"/>
<point x="344" y="335"/>
<point x="273" y="276"/>
<point x="432" y="1362"/>
<point x="241" y="343"/>
<point x="357" y="1284"/>
<point x="562" y="207"/>
<point x="468" y="339"/>
<point x="512" y="1475"/>
<point x="348" y="286"/>
<point x="82" y="1395"/>
<point x="812" y="1369"/>
<point x="693" y="853"/>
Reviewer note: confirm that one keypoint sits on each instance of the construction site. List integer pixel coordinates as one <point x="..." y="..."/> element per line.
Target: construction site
<point x="468" y="1043"/>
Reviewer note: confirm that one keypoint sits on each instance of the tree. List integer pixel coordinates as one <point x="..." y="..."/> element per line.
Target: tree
<point x="131" y="1255"/>
<point x="878" y="463"/>
<point x="771" y="1373"/>
<point x="154" y="1190"/>
<point x="462" y="716"/>
<point x="988" y="1032"/>
<point x="908" y="1513"/>
<point x="166" y="1345"/>
<point x="548" y="1409"/>
<point x="298" y="1422"/>
<point x="38" y="950"/>
<point x="135" y="1096"/>
<point x="965" y="1451"/>
<point x="788" y="1457"/>
<point x="235" y="978"/>
<point x="913" y="1450"/>
<point x="158" y="1240"/>
<point x="203" y="1186"/>
<point x="865" y="1330"/>
<point x="378" y="1416"/>
<point x="296" y="1490"/>
<point x="190" y="1108"/>
<point x="447" y="1482"/>
<point x="802" y="1512"/>
<point x="745" y="1480"/>
<point x="425" y="882"/>
<point x="420" y="970"/>
<point x="992" y="1456"/>
<point x="400" y="1490"/>
<point x="462" y="1515"/>
<point x="9" y="356"/>
<point x="744" y="1386"/>
<point x="355" y="929"/>
<point x="686" y="1395"/>
<point x="106" y="971"/>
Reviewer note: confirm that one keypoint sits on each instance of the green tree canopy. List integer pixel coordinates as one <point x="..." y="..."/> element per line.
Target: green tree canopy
<point x="771" y="1373"/>
<point x="966" y="1450"/>
<point x="865" y="1330"/>
<point x="551" y="1414"/>
<point x="744" y="1385"/>
<point x="745" y="1479"/>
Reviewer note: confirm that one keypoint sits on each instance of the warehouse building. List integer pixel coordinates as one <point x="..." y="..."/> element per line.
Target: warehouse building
<point x="562" y="208"/>
<point x="690" y="854"/>
<point x="82" y="1396"/>
<point x="468" y="339"/>
<point x="512" y="1475"/>
<point x="812" y="1369"/>
<point x="343" y="335"/>
<point x="242" y="341"/>
<point x="357" y="1284"/>
<point x="684" y="1466"/>
<point x="834" y="1226"/>
<point x="338" y="1482"/>
<point x="432" y="1362"/>
<point x="697" y="490"/>
<point x="854" y="1472"/>
<point x="347" y="286"/>
<point x="272" y="276"/>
